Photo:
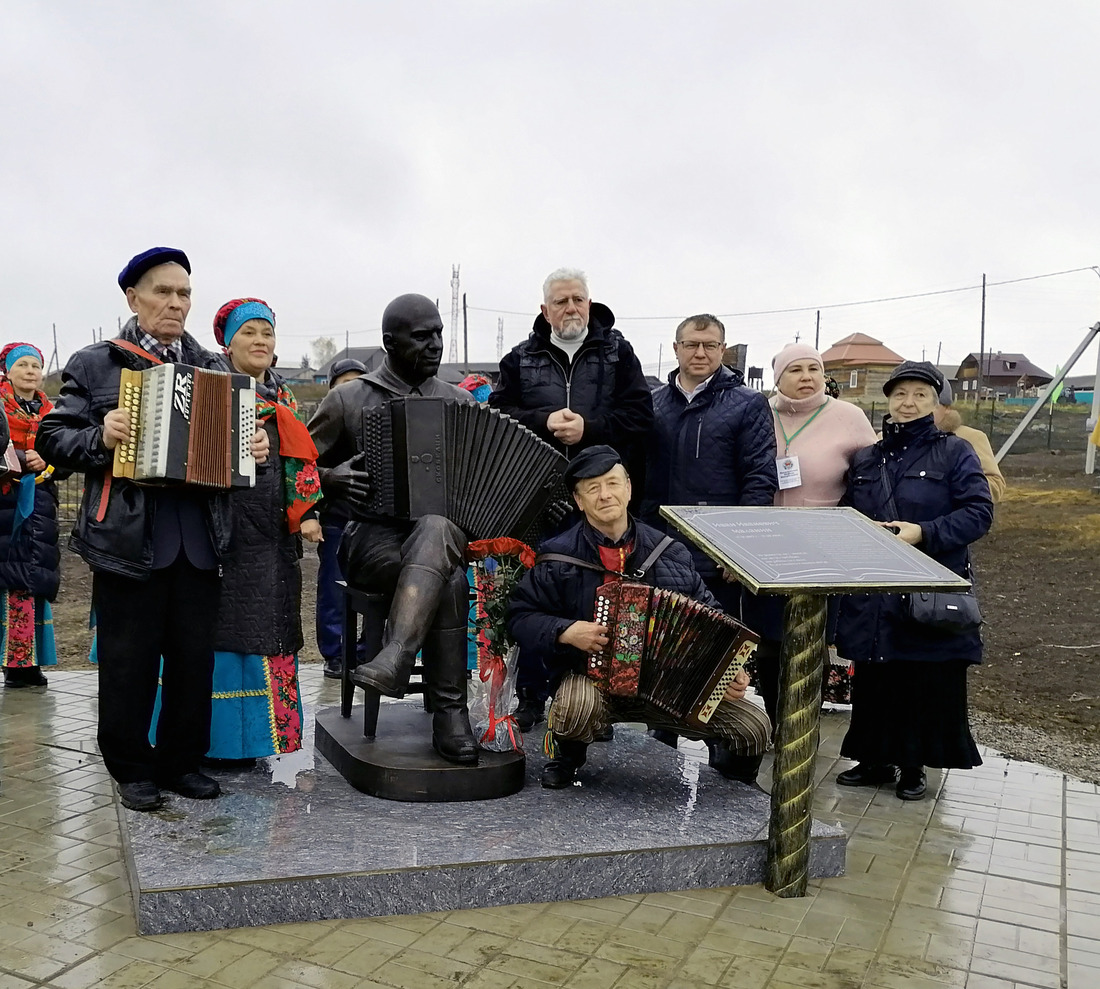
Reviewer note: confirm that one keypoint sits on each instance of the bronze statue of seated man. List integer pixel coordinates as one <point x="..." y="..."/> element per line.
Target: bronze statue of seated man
<point x="422" y="563"/>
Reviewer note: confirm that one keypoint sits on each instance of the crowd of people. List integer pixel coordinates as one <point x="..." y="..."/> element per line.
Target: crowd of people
<point x="197" y="591"/>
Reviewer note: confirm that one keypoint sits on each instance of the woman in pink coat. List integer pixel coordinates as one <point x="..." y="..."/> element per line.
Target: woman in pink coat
<point x="815" y="437"/>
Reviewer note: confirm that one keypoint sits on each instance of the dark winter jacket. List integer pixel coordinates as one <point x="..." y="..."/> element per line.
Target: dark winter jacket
<point x="31" y="561"/>
<point x="938" y="483"/>
<point x="114" y="527"/>
<point x="553" y="595"/>
<point x="261" y="600"/>
<point x="604" y="384"/>
<point x="717" y="449"/>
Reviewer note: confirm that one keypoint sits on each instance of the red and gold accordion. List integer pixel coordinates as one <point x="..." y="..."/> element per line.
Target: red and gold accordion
<point x="188" y="424"/>
<point x="667" y="649"/>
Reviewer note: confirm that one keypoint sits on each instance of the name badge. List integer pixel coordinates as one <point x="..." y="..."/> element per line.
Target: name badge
<point x="789" y="474"/>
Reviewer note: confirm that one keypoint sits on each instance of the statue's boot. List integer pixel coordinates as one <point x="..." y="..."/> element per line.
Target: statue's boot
<point x="445" y="673"/>
<point x="415" y="600"/>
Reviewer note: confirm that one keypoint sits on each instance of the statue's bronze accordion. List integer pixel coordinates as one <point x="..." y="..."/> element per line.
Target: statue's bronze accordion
<point x="483" y="470"/>
<point x="667" y="649"/>
<point x="188" y="424"/>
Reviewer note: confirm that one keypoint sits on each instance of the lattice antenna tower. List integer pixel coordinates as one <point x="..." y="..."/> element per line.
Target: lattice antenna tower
<point x="500" y="337"/>
<point x="452" y="353"/>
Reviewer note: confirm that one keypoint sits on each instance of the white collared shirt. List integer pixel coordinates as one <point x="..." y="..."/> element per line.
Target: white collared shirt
<point x="689" y="395"/>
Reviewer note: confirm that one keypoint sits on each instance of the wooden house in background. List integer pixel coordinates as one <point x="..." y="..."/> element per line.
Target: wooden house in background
<point x="1006" y="375"/>
<point x="860" y="364"/>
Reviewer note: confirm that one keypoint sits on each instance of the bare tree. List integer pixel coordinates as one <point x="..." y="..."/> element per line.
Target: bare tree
<point x="324" y="350"/>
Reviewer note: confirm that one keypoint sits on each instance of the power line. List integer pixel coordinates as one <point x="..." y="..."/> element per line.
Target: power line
<point x="832" y="305"/>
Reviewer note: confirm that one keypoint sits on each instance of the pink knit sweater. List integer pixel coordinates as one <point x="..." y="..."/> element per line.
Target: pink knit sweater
<point x="824" y="448"/>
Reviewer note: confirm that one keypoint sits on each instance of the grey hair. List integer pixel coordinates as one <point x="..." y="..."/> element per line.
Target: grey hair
<point x="701" y="322"/>
<point x="564" y="275"/>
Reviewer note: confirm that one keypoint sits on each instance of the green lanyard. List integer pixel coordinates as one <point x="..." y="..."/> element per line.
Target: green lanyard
<point x="790" y="439"/>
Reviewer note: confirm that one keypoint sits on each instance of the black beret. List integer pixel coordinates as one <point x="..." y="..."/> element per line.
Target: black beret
<point x="593" y="461"/>
<point x="914" y="371"/>
<point x="344" y="365"/>
<point x="141" y="263"/>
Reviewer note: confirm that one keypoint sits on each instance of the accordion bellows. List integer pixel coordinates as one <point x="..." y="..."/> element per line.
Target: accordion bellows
<point x="667" y="649"/>
<point x="188" y="424"/>
<point x="483" y="470"/>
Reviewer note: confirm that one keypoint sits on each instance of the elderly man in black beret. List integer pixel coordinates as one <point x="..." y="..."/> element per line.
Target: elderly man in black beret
<point x="422" y="564"/>
<point x="153" y="550"/>
<point x="551" y="616"/>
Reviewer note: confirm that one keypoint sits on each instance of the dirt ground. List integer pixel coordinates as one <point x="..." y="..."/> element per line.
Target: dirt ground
<point x="1038" y="577"/>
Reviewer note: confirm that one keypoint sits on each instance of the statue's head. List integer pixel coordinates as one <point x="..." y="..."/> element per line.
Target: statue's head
<point x="412" y="333"/>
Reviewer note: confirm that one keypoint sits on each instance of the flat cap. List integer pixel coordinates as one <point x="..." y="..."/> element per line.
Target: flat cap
<point x="344" y="365"/>
<point x="914" y="371"/>
<point x="592" y="461"/>
<point x="141" y="263"/>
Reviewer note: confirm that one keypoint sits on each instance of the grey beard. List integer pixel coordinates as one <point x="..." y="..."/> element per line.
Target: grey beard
<point x="571" y="333"/>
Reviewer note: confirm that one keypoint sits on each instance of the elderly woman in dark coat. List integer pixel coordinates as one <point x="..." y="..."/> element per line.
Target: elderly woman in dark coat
<point x="30" y="562"/>
<point x="256" y="707"/>
<point x="909" y="689"/>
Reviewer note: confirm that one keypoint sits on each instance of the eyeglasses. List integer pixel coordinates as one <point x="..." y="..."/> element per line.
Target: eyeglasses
<point x="710" y="346"/>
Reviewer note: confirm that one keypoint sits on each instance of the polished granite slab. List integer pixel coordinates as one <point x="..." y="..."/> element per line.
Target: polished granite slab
<point x="642" y="818"/>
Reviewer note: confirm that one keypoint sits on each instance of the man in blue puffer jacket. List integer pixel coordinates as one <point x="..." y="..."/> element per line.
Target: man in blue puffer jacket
<point x="714" y="444"/>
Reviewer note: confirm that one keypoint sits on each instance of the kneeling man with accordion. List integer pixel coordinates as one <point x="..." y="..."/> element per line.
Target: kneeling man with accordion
<point x="628" y="631"/>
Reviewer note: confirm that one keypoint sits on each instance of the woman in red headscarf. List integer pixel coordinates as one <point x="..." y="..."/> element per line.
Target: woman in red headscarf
<point x="30" y="562"/>
<point x="257" y="709"/>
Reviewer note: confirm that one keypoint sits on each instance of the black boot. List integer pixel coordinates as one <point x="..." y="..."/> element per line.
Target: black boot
<point x="561" y="771"/>
<point x="742" y="768"/>
<point x="867" y="774"/>
<point x="911" y="783"/>
<point x="664" y="736"/>
<point x="445" y="687"/>
<point x="24" y="676"/>
<point x="415" y="600"/>
<point x="530" y="710"/>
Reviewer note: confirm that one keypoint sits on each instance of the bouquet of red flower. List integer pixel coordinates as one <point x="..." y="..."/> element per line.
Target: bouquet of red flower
<point x="499" y="564"/>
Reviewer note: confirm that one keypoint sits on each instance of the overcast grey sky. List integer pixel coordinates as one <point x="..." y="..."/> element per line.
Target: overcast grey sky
<point x="726" y="157"/>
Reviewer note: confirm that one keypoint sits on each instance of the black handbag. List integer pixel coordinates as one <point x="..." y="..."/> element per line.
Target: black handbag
<point x="945" y="611"/>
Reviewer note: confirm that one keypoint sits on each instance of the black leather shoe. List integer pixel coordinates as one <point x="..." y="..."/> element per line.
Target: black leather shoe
<point x="530" y="711"/>
<point x="142" y="795"/>
<point x="334" y="669"/>
<point x="911" y="783"/>
<point x="557" y="774"/>
<point x="741" y="768"/>
<point x="24" y="676"/>
<point x="664" y="736"/>
<point x="561" y="771"/>
<point x="867" y="774"/>
<point x="193" y="785"/>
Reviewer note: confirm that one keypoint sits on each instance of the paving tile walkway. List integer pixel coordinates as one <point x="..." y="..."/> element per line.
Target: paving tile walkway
<point x="991" y="883"/>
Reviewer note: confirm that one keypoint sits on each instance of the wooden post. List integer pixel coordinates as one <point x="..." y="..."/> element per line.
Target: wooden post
<point x="801" y="668"/>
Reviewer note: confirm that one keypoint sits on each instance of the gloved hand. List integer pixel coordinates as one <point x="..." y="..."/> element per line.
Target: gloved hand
<point x="349" y="482"/>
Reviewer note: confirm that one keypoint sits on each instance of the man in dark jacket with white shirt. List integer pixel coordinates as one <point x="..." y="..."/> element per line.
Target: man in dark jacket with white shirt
<point x="713" y="444"/>
<point x="713" y="441"/>
<point x="576" y="382"/>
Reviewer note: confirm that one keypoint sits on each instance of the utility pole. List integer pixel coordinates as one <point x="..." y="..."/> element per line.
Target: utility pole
<point x="465" y="336"/>
<point x="500" y="337"/>
<point x="347" y="341"/>
<point x="981" y="354"/>
<point x="54" y="361"/>
<point x="452" y="353"/>
<point x="939" y="349"/>
<point x="660" y="355"/>
<point x="817" y="333"/>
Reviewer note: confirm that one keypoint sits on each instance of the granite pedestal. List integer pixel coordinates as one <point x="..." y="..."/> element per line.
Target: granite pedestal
<point x="642" y="818"/>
